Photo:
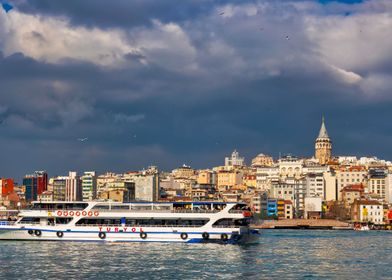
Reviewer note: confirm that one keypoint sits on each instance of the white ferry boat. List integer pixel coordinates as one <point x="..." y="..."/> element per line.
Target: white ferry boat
<point x="190" y="222"/>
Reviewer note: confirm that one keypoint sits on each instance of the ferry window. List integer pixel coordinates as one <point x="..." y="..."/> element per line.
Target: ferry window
<point x="101" y="207"/>
<point x="120" y="207"/>
<point x="30" y="220"/>
<point x="224" y="223"/>
<point x="230" y="222"/>
<point x="63" y="221"/>
<point x="74" y="206"/>
<point x="141" y="207"/>
<point x="161" y="207"/>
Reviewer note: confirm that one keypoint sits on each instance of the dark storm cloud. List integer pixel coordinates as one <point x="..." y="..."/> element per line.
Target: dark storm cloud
<point x="122" y="13"/>
<point x="190" y="92"/>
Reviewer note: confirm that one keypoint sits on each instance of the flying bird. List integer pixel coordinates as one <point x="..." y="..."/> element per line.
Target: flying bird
<point x="7" y="7"/>
<point x="82" y="139"/>
<point x="287" y="37"/>
<point x="221" y="13"/>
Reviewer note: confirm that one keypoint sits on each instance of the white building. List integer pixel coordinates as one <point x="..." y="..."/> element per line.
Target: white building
<point x="315" y="186"/>
<point x="73" y="187"/>
<point x="89" y="186"/>
<point x="312" y="204"/>
<point x="371" y="211"/>
<point x="146" y="186"/>
<point x="234" y="160"/>
<point x="265" y="176"/>
<point x="290" y="166"/>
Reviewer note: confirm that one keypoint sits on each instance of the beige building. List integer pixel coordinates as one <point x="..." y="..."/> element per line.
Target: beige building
<point x="323" y="145"/>
<point x="228" y="179"/>
<point x="330" y="185"/>
<point x="288" y="209"/>
<point x="262" y="160"/>
<point x="290" y="166"/>
<point x="350" y="176"/>
<point x="184" y="172"/>
<point x="206" y="177"/>
<point x="351" y="193"/>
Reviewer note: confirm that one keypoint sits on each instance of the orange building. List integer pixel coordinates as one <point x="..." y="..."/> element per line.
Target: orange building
<point x="6" y="186"/>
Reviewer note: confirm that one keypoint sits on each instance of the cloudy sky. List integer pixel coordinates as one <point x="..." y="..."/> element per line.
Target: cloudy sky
<point x="172" y="82"/>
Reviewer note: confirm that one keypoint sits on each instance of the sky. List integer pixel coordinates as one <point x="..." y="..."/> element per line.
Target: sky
<point x="178" y="82"/>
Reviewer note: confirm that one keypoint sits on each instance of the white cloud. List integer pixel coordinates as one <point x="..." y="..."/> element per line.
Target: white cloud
<point x="53" y="39"/>
<point x="346" y="76"/>
<point x="166" y="45"/>
<point x="355" y="42"/>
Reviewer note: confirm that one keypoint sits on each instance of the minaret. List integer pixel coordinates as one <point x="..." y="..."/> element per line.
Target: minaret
<point x="323" y="145"/>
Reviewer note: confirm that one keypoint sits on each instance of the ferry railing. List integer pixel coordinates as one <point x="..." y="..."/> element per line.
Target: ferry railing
<point x="158" y="211"/>
<point x="136" y="226"/>
<point x="7" y="223"/>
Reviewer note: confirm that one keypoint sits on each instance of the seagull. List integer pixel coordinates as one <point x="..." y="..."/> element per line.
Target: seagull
<point x="82" y="139"/>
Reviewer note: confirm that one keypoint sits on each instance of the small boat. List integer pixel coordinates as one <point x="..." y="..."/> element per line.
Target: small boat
<point x="187" y="222"/>
<point x="360" y="227"/>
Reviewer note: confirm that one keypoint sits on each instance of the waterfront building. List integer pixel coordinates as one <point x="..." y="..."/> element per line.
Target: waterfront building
<point x="35" y="184"/>
<point x="349" y="175"/>
<point x="6" y="187"/>
<point x="89" y="186"/>
<point x="364" y="210"/>
<point x="262" y="160"/>
<point x="313" y="207"/>
<point x="389" y="184"/>
<point x="292" y="189"/>
<point x="119" y="191"/>
<point x="288" y="209"/>
<point x="352" y="192"/>
<point x="283" y="190"/>
<point x="315" y="186"/>
<point x="59" y="185"/>
<point x="104" y="180"/>
<point x="323" y="145"/>
<point x="234" y="160"/>
<point x="330" y="185"/>
<point x="46" y="196"/>
<point x="378" y="183"/>
<point x="272" y="208"/>
<point x="73" y="187"/>
<point x="146" y="185"/>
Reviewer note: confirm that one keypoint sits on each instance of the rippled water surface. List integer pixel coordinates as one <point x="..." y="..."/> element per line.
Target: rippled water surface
<point x="278" y="254"/>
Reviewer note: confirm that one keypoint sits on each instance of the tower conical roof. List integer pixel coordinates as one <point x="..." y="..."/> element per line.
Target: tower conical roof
<point x="323" y="131"/>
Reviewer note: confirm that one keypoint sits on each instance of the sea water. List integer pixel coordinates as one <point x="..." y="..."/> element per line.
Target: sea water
<point x="278" y="254"/>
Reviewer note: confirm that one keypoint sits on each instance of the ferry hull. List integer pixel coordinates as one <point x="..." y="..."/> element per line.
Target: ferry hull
<point x="224" y="236"/>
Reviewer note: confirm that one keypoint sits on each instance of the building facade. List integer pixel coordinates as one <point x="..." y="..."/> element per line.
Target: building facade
<point x="73" y="187"/>
<point x="35" y="184"/>
<point x="89" y="186"/>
